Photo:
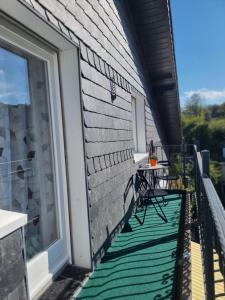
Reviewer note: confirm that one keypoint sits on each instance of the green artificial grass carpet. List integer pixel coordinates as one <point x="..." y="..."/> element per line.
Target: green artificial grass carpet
<point x="140" y="264"/>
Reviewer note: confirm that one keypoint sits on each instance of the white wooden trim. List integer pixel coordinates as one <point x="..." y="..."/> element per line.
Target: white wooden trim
<point x="45" y="262"/>
<point x="22" y="14"/>
<point x="11" y="221"/>
<point x="139" y="130"/>
<point x="134" y="122"/>
<point x="75" y="158"/>
<point x="69" y="74"/>
<point x="141" y="124"/>
<point x="70" y="93"/>
<point x="138" y="157"/>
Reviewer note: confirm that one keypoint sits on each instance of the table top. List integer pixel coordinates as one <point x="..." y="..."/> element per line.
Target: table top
<point x="149" y="167"/>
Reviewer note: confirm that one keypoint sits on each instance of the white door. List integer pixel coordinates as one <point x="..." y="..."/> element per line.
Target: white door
<point x="32" y="161"/>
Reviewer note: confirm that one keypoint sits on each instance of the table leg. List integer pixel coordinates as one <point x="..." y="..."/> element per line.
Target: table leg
<point x="154" y="178"/>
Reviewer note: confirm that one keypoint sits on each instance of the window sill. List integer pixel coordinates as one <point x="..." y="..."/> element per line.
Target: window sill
<point x="138" y="157"/>
<point x="10" y="221"/>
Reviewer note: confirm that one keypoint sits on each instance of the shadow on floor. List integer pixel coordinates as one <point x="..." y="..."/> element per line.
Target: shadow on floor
<point x="141" y="262"/>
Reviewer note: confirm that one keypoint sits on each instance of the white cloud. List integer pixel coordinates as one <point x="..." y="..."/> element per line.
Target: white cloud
<point x="14" y="98"/>
<point x="207" y="94"/>
<point x="7" y="94"/>
<point x="5" y="86"/>
<point x="209" y="97"/>
<point x="2" y="72"/>
<point x="12" y="95"/>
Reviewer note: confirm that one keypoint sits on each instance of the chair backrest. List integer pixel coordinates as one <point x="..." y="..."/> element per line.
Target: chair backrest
<point x="166" y="163"/>
<point x="141" y="183"/>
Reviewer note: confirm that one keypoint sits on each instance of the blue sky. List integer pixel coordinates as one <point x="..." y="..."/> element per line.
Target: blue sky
<point x="199" y="32"/>
<point x="14" y="85"/>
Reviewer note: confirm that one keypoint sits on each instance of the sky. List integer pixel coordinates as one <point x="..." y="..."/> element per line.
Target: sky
<point x="199" y="34"/>
<point x="14" y="85"/>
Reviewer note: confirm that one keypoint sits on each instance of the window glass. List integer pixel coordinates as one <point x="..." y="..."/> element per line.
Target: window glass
<point x="138" y="122"/>
<point x="134" y="122"/>
<point x="14" y="84"/>
<point x="27" y="182"/>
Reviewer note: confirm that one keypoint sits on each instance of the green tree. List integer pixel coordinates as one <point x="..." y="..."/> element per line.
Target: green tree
<point x="207" y="125"/>
<point x="217" y="111"/>
<point x="194" y="105"/>
<point x="209" y="131"/>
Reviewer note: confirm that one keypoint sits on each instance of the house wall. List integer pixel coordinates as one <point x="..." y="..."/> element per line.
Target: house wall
<point x="109" y="48"/>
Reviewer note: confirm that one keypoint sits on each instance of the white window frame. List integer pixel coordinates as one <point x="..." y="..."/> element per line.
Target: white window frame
<point x="139" y="127"/>
<point x="60" y="249"/>
<point x="78" y="232"/>
<point x="134" y="122"/>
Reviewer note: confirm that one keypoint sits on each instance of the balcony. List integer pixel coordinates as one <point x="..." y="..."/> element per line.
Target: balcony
<point x="142" y="262"/>
<point x="147" y="261"/>
<point x="159" y="260"/>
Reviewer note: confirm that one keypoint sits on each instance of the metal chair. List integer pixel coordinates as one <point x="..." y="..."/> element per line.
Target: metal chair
<point x="169" y="178"/>
<point x="166" y="163"/>
<point x="147" y="196"/>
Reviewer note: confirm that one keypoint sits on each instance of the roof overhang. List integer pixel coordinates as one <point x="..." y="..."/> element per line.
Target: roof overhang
<point x="152" y="19"/>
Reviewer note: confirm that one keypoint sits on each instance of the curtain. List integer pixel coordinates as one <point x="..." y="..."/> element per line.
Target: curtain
<point x="26" y="150"/>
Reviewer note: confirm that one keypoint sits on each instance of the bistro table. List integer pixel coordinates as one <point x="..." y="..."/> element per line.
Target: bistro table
<point x="152" y="169"/>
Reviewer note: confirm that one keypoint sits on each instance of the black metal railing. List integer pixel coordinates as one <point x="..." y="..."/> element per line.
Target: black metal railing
<point x="182" y="162"/>
<point x="194" y="168"/>
<point x="211" y="219"/>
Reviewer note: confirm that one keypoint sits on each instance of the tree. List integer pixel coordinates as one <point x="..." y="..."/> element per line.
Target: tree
<point x="217" y="111"/>
<point x="194" y="105"/>
<point x="208" y="127"/>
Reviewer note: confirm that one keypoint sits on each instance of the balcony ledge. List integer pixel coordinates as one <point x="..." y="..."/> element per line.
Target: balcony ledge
<point x="10" y="221"/>
<point x="138" y="157"/>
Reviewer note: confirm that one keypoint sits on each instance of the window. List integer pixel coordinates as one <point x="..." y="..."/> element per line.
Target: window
<point x="134" y="123"/>
<point x="138" y="123"/>
<point x="33" y="49"/>
<point x="27" y="181"/>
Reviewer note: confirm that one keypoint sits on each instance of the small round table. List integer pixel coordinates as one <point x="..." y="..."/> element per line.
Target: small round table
<point x="149" y="168"/>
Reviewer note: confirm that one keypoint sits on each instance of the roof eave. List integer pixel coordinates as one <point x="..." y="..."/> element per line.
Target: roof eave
<point x="153" y="23"/>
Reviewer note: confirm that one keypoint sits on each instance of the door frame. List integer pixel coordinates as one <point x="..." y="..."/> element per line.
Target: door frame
<point x="45" y="264"/>
<point x="24" y="19"/>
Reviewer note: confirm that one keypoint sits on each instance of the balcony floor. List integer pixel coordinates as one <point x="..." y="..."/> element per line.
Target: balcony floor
<point x="197" y="275"/>
<point x="140" y="264"/>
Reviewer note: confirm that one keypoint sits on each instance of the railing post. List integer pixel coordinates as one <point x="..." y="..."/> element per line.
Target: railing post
<point x="207" y="248"/>
<point x="205" y="163"/>
<point x="184" y="166"/>
<point x="197" y="179"/>
<point x="207" y="232"/>
<point x="197" y="144"/>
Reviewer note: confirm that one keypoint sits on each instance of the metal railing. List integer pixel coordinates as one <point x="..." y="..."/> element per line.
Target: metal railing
<point x="194" y="165"/>
<point x="181" y="159"/>
<point x="211" y="219"/>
